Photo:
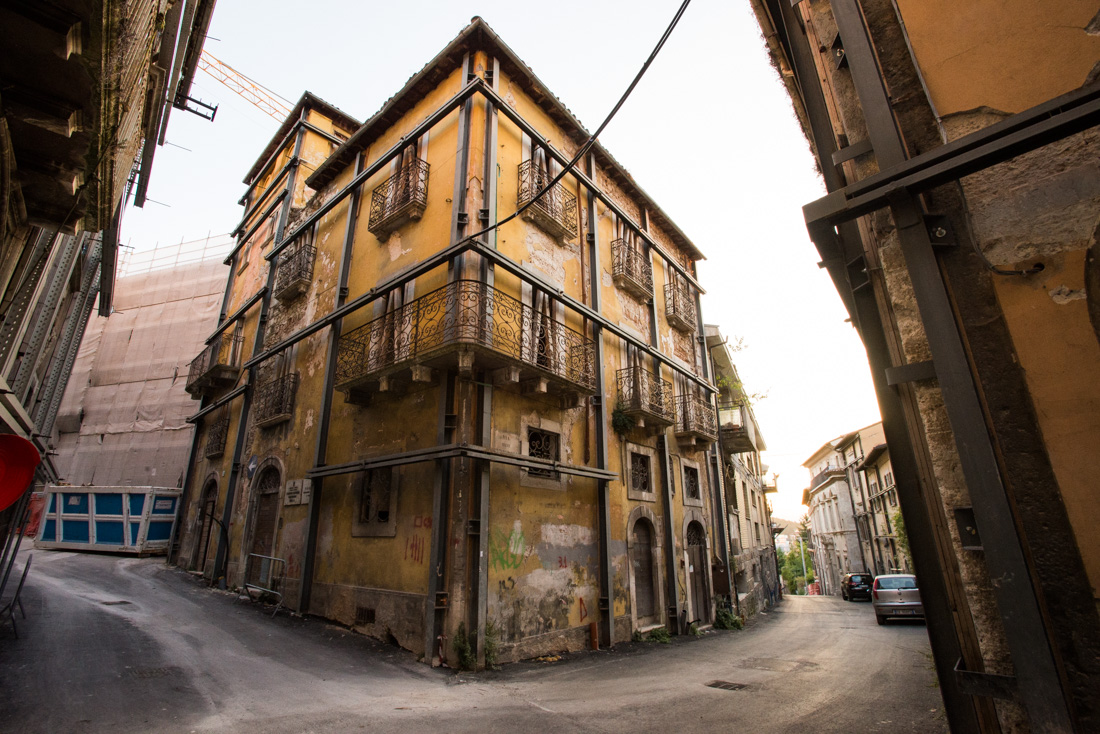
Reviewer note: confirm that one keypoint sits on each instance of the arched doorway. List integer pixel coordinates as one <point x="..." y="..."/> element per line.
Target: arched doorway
<point x="207" y="506"/>
<point x="268" y="484"/>
<point x="641" y="560"/>
<point x="697" y="572"/>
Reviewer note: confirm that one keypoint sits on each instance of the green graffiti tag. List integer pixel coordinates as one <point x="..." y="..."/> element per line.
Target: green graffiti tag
<point x="507" y="552"/>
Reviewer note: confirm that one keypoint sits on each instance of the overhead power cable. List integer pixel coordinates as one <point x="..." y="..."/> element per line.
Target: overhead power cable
<point x="591" y="138"/>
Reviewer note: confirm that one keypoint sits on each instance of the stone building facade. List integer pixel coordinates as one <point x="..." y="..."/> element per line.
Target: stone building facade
<point x="439" y="430"/>
<point x="752" y="542"/>
<point x="958" y="145"/>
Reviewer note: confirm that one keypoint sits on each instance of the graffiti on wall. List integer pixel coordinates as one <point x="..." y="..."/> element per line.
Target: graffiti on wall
<point x="507" y="552"/>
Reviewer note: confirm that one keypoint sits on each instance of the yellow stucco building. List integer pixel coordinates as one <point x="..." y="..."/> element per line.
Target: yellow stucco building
<point x="423" y="430"/>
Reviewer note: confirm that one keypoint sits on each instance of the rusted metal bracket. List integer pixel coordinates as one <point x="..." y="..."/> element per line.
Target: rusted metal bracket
<point x="911" y="372"/>
<point x="991" y="685"/>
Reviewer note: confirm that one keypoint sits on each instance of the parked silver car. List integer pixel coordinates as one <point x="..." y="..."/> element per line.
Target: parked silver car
<point x="896" y="595"/>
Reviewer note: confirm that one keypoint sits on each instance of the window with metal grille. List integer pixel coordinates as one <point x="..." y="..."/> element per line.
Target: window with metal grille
<point x="691" y="483"/>
<point x="542" y="445"/>
<point x="640" y="479"/>
<point x="376" y="492"/>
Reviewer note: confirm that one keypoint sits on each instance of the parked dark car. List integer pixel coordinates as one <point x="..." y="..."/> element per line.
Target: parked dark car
<point x="856" y="586"/>
<point x="896" y="596"/>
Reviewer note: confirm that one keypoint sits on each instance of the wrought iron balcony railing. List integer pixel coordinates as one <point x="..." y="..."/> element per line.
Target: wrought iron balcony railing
<point x="216" y="432"/>
<point x="274" y="400"/>
<point x="501" y="329"/>
<point x="399" y="199"/>
<point x="645" y="396"/>
<point x="217" y="365"/>
<point x="294" y="272"/>
<point x="631" y="269"/>
<point x="680" y="304"/>
<point x="556" y="210"/>
<point x="695" y="418"/>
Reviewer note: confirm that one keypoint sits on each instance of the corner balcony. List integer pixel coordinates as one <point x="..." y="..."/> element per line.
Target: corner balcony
<point x="830" y="471"/>
<point x="216" y="367"/>
<point x="399" y="199"/>
<point x="452" y="327"/>
<point x="737" y="434"/>
<point x="216" y="433"/>
<point x="274" y="400"/>
<point x="680" y="305"/>
<point x="645" y="397"/>
<point x="632" y="270"/>
<point x="294" y="272"/>
<point x="555" y="211"/>
<point x="695" y="421"/>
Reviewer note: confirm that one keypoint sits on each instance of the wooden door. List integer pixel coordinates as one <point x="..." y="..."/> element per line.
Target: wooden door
<point x="263" y="534"/>
<point x="697" y="573"/>
<point x="206" y="523"/>
<point x="645" y="596"/>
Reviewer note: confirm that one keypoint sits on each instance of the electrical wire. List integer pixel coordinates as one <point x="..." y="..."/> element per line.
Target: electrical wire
<point x="591" y="138"/>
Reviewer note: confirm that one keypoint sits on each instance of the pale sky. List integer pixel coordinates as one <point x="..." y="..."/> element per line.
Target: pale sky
<point x="709" y="133"/>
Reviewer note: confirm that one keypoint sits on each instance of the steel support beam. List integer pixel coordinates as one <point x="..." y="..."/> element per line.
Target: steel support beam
<point x="898" y="409"/>
<point x="320" y="448"/>
<point x="1037" y="669"/>
<point x="606" y="602"/>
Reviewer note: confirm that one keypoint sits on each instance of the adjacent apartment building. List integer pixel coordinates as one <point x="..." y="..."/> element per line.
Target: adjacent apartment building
<point x="839" y="506"/>
<point x="958" y="144"/>
<point x="752" y="542"/>
<point x="86" y="92"/>
<point x="426" y="426"/>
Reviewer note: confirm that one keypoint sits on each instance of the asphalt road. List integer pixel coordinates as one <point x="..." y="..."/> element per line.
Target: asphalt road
<point x="129" y="645"/>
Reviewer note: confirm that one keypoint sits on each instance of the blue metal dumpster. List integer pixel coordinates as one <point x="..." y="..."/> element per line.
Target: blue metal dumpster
<point x="135" y="520"/>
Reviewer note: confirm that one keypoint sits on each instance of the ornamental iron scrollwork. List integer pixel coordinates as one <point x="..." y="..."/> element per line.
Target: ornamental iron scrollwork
<point x="294" y="271"/>
<point x="556" y="209"/>
<point x="274" y="399"/>
<point x="640" y="480"/>
<point x="691" y="483"/>
<point x="223" y="352"/>
<point x="466" y="312"/>
<point x="217" y="430"/>
<point x="399" y="198"/>
<point x="695" y="415"/>
<point x="680" y="304"/>
<point x="542" y="445"/>
<point x="631" y="269"/>
<point x="642" y="392"/>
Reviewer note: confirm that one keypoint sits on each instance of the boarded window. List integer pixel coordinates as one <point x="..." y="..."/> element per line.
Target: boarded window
<point x="376" y="502"/>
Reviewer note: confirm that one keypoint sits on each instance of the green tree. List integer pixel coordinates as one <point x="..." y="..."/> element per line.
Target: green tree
<point x="902" y="537"/>
<point x="791" y="569"/>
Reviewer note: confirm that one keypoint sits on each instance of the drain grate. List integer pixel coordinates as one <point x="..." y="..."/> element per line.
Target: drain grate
<point x="114" y="603"/>
<point x="725" y="685"/>
<point x="146" y="673"/>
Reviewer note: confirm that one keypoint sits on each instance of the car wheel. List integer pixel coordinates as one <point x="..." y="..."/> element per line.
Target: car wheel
<point x="880" y="619"/>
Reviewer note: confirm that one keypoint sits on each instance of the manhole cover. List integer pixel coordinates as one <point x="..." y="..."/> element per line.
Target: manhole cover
<point x="725" y="685"/>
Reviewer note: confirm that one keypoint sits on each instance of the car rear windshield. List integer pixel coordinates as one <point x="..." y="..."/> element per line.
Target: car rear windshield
<point x="898" y="582"/>
<point x="857" y="579"/>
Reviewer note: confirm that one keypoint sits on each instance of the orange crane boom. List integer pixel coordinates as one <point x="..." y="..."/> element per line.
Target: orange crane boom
<point x="252" y="91"/>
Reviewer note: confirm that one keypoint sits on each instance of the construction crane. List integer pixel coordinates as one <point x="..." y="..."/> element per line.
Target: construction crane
<point x="252" y="91"/>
